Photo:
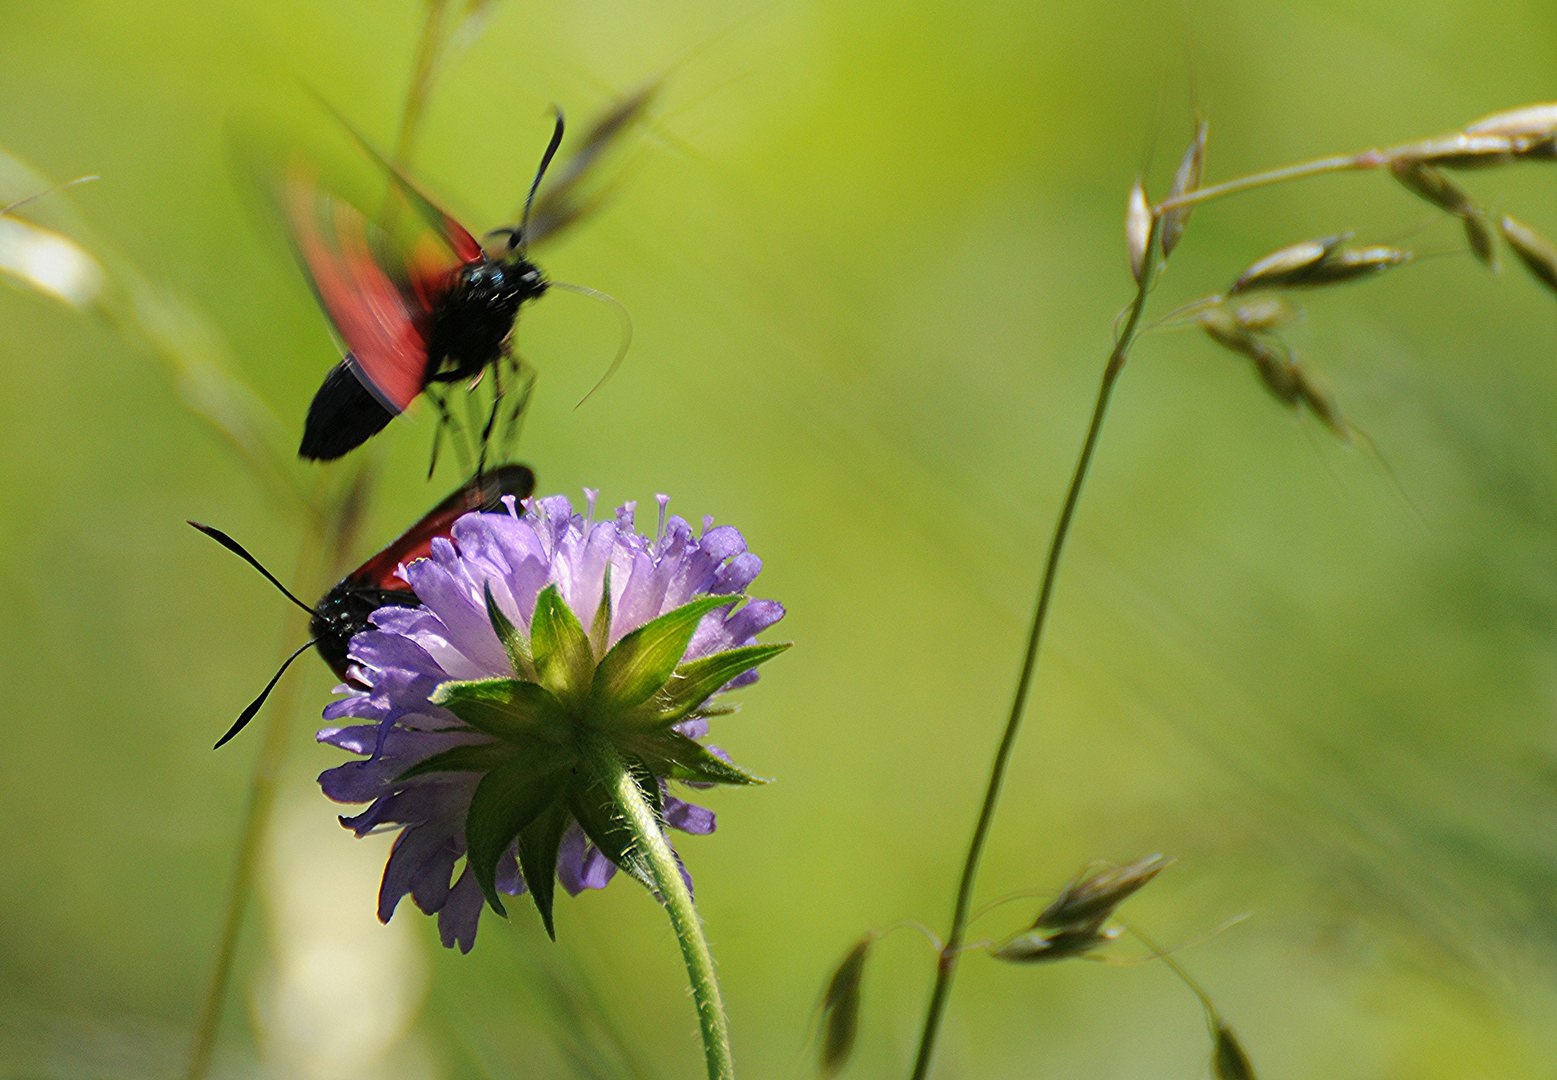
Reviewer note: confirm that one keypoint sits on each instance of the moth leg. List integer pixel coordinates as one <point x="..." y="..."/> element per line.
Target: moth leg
<point x="446" y="419"/>
<point x="497" y="401"/>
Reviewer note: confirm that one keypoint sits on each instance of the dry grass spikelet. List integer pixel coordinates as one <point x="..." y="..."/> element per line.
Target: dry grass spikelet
<point x="1534" y="250"/>
<point x="841" y="1008"/>
<point x="1138" y="228"/>
<point x="1187" y="179"/>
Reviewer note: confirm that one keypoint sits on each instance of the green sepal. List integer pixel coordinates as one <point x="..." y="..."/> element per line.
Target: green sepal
<point x="693" y="683"/>
<point x="481" y="758"/>
<point x="644" y="660"/>
<point x="600" y="629"/>
<point x="506" y="801"/>
<point x="514" y="643"/>
<point x="538" y="844"/>
<point x="510" y="709"/>
<point x="672" y="755"/>
<point x="593" y="804"/>
<point x="564" y="662"/>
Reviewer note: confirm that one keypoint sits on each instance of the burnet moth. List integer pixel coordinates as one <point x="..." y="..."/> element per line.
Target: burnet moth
<point x="421" y="314"/>
<point x="343" y="611"/>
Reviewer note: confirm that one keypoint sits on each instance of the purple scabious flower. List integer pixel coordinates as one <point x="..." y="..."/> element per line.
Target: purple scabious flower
<point x="538" y="633"/>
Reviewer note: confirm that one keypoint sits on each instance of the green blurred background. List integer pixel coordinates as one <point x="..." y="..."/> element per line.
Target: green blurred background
<point x="872" y="251"/>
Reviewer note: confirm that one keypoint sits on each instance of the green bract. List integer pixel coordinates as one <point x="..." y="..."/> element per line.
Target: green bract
<point x="569" y="701"/>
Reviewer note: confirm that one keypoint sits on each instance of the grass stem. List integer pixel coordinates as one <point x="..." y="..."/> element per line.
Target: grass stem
<point x="946" y="969"/>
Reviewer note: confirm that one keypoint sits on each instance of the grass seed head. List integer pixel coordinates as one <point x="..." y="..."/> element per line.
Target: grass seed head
<point x="1432" y="185"/>
<point x="1263" y="313"/>
<point x="1538" y="121"/>
<point x="1229" y="1061"/>
<point x="841" y="1008"/>
<point x="1534" y="250"/>
<point x="1478" y="235"/>
<point x="1138" y="228"/>
<point x="1320" y="401"/>
<point x="1042" y="947"/>
<point x="1348" y="264"/>
<point x="1272" y="362"/>
<point x="1315" y="263"/>
<point x="1090" y="899"/>
<point x="1187" y="179"/>
<point x="1288" y="264"/>
<point x="1462" y="151"/>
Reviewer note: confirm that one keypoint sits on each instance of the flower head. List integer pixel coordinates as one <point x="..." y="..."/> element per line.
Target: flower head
<point x="540" y="634"/>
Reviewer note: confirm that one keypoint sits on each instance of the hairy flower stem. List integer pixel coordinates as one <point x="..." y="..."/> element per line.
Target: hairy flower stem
<point x="946" y="969"/>
<point x="652" y="845"/>
<point x="263" y="786"/>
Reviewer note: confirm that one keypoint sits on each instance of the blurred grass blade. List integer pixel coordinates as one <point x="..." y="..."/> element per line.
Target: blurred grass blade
<point x="196" y="360"/>
<point x="563" y="199"/>
<point x="50" y="263"/>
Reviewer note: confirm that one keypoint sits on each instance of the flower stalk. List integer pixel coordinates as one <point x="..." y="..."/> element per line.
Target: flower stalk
<point x="652" y="847"/>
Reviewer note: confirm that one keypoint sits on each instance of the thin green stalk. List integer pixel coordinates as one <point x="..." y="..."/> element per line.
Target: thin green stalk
<point x="1368" y="159"/>
<point x="263" y="786"/>
<point x="666" y="871"/>
<point x="428" y="46"/>
<point x="946" y="969"/>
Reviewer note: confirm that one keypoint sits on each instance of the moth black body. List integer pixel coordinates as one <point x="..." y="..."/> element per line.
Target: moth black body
<point x="343" y="614"/>
<point x="412" y="314"/>
<point x="472" y="323"/>
<point x="344" y="611"/>
<point x="343" y="415"/>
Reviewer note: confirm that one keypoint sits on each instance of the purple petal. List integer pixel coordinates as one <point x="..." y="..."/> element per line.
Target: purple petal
<point x="507" y="878"/>
<point x="414" y="847"/>
<point x="461" y="913"/>
<point x="687" y="817"/>
<point x="474" y="651"/>
<point x="737" y="575"/>
<point x="580" y="865"/>
<point x="430" y="888"/>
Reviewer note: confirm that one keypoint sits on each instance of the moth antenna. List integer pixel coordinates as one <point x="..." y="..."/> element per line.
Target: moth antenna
<point x="47" y="191"/>
<point x="237" y="549"/>
<point x="627" y="329"/>
<point x="517" y="239"/>
<point x="254" y="706"/>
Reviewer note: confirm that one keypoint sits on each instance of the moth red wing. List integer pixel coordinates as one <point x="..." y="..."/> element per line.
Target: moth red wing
<point x="378" y="300"/>
<point x="465" y="246"/>
<point x="416" y="542"/>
